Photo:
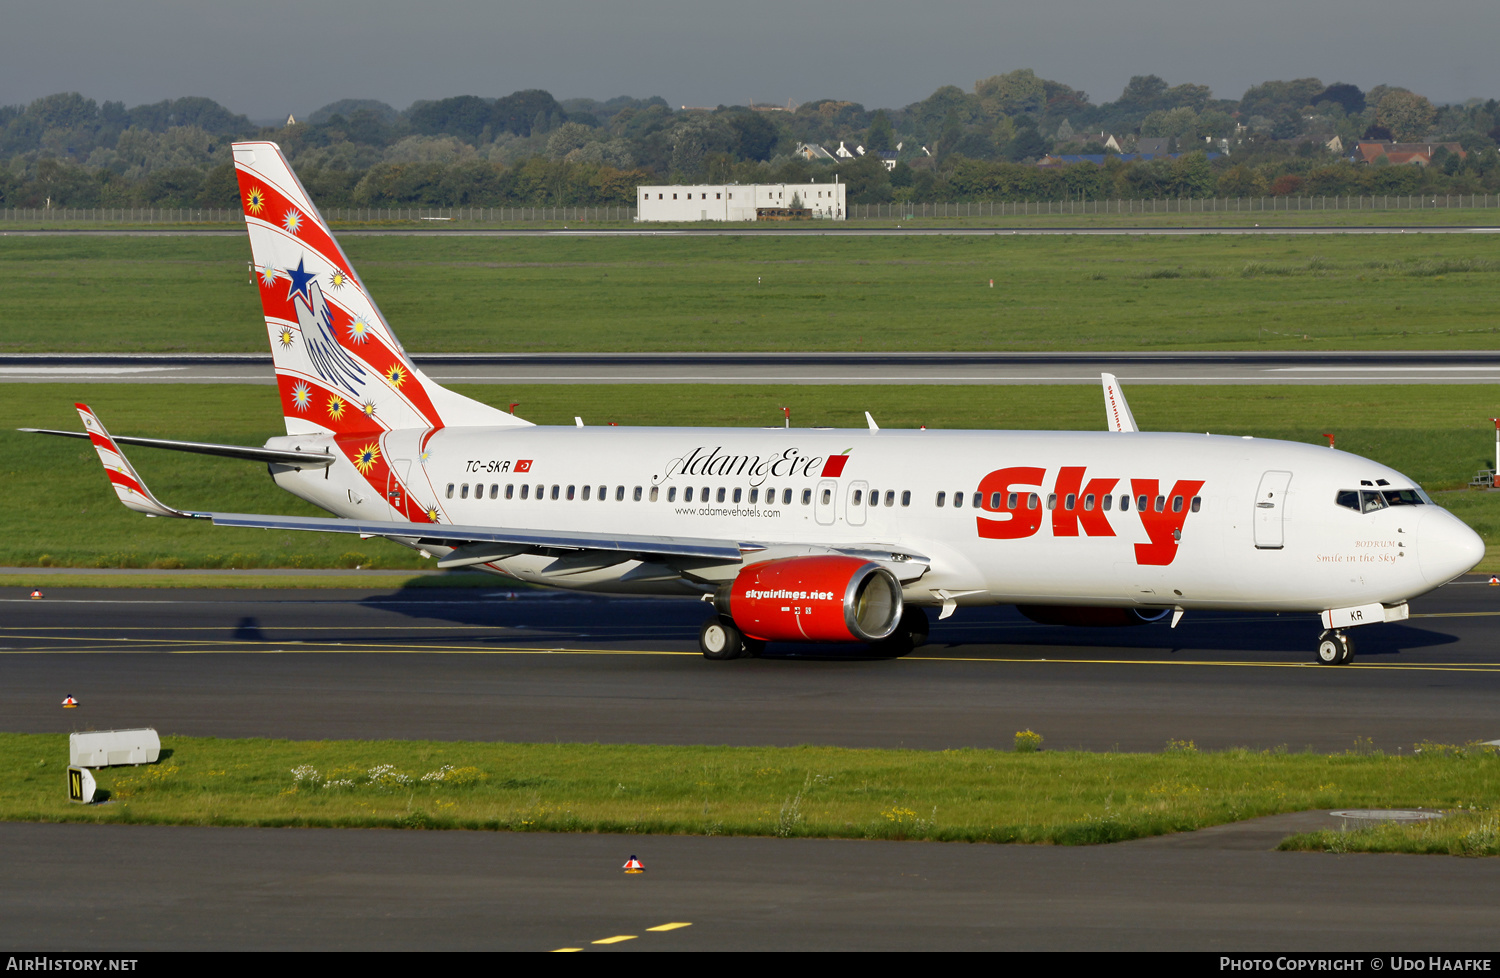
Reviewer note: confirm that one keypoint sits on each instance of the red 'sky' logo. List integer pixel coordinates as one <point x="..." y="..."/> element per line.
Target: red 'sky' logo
<point x="1014" y="496"/>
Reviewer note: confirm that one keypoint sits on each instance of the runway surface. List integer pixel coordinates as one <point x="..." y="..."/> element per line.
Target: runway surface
<point x="535" y="666"/>
<point x="523" y="665"/>
<point x="1381" y="367"/>
<point x="823" y="229"/>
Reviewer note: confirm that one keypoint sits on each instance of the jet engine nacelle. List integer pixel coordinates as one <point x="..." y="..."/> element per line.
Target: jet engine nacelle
<point x="1085" y="617"/>
<point x="824" y="598"/>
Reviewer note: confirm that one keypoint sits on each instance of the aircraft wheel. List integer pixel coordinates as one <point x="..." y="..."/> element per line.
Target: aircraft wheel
<point x="1334" y="648"/>
<point x="719" y="640"/>
<point x="910" y="634"/>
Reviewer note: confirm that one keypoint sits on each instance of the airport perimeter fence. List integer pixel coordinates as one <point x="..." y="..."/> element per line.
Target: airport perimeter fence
<point x="438" y="216"/>
<point x="340" y="215"/>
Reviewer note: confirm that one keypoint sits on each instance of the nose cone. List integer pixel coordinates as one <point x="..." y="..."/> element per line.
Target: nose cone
<point x="1446" y="547"/>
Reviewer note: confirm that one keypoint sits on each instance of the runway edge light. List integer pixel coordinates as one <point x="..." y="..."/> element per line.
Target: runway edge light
<point x="36" y="593"/>
<point x="633" y="865"/>
<point x="69" y="702"/>
<point x="1494" y="581"/>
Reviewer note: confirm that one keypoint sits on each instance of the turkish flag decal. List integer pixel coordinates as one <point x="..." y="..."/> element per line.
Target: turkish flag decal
<point x="523" y="465"/>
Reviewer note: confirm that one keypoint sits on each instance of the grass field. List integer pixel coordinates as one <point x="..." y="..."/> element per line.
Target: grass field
<point x="785" y="293"/>
<point x="62" y="510"/>
<point x="957" y="795"/>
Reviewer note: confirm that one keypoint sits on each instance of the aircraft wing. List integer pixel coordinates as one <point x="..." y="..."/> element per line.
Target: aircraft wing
<point x="454" y="535"/>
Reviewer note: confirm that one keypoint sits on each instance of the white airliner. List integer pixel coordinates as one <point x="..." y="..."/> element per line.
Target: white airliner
<point x="802" y="535"/>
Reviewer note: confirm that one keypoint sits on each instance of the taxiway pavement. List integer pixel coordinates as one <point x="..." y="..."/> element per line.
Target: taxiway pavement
<point x="523" y="665"/>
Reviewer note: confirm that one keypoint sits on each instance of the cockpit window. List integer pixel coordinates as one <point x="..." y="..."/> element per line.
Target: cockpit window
<point x="1348" y="498"/>
<point x="1371" y="501"/>
<point x="1402" y="497"/>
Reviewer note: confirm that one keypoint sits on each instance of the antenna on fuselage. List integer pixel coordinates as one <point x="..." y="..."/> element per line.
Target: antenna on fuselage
<point x="1116" y="410"/>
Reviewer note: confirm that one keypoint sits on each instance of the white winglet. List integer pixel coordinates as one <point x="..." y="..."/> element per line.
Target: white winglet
<point x="1116" y="411"/>
<point x="873" y="425"/>
<point x="122" y="475"/>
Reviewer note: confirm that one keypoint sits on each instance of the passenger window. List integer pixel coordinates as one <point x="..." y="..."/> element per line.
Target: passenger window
<point x="1033" y="501"/>
<point x="1088" y="503"/>
<point x="1161" y="504"/>
<point x="494" y="490"/>
<point x="978" y="500"/>
<point x="860" y="493"/>
<point x="890" y="497"/>
<point x="671" y="494"/>
<point x="720" y="495"/>
<point x="463" y="491"/>
<point x="1197" y="502"/>
<point x="1124" y="504"/>
<point x="1051" y="500"/>
<point x="703" y="494"/>
<point x="786" y="497"/>
<point x="1010" y="501"/>
<point x="555" y="490"/>
<point x="1176" y="504"/>
<point x="510" y="490"/>
<point x="570" y="493"/>
<point x="827" y="496"/>
<point x="874" y="497"/>
<point x="807" y="497"/>
<point x="958" y="500"/>
<point x="541" y="491"/>
<point x="687" y="494"/>
<point x="942" y="498"/>
<point x="619" y="494"/>
<point x="906" y="497"/>
<point x="1069" y="501"/>
<point x="1143" y="503"/>
<point x="526" y="491"/>
<point x="450" y="490"/>
<point x="654" y="491"/>
<point x="737" y="492"/>
<point x="603" y="493"/>
<point x="754" y="496"/>
<point x="638" y="494"/>
<point x="586" y="491"/>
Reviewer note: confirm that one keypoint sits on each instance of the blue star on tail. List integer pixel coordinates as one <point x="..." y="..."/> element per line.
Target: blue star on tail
<point x="300" y="279"/>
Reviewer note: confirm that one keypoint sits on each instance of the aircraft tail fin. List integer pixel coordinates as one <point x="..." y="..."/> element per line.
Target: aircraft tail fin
<point x="1116" y="410"/>
<point x="339" y="366"/>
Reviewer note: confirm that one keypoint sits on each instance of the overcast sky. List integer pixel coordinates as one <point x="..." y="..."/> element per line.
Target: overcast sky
<point x="271" y="57"/>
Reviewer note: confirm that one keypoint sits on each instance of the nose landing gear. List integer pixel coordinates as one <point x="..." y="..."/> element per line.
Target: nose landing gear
<point x="1335" y="648"/>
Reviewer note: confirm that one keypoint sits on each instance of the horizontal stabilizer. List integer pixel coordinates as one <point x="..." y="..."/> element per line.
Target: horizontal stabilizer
<point x="311" y="460"/>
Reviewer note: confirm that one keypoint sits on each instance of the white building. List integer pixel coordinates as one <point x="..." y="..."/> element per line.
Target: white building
<point x="738" y="201"/>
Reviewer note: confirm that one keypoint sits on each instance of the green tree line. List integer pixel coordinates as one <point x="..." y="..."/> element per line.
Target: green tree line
<point x="957" y="144"/>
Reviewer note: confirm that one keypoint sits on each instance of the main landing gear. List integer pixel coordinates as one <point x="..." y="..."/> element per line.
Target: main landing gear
<point x="1335" y="648"/>
<point x="719" y="640"/>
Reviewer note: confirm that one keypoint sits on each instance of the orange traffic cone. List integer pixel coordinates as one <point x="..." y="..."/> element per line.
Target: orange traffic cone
<point x="36" y="593"/>
<point x="69" y="702"/>
<point x="633" y="865"/>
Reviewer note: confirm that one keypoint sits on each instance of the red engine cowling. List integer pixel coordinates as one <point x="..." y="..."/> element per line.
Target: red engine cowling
<point x="1085" y="617"/>
<point x="829" y="598"/>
